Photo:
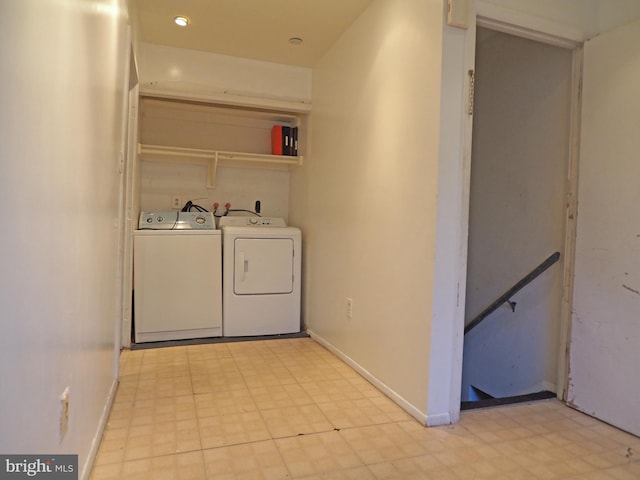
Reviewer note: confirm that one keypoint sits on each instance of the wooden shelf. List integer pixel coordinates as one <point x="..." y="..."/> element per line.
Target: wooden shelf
<point x="216" y="158"/>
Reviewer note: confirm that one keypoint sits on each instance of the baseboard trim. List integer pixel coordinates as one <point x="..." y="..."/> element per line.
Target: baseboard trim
<point x="97" y="439"/>
<point x="376" y="382"/>
<point x="438" y="420"/>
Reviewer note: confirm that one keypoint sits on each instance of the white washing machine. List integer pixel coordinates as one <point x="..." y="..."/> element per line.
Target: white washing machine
<point x="261" y="270"/>
<point x="177" y="277"/>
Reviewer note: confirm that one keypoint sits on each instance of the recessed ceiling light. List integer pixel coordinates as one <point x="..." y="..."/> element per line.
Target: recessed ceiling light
<point x="181" y="21"/>
<point x="295" y="41"/>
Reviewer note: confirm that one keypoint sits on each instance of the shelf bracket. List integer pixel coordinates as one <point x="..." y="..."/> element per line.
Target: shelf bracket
<point x="212" y="171"/>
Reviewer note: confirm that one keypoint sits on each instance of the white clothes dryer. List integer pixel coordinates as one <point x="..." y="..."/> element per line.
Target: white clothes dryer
<point x="261" y="276"/>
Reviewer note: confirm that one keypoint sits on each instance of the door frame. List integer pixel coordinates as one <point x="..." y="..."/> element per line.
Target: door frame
<point x="129" y="203"/>
<point x="568" y="260"/>
<point x="524" y="25"/>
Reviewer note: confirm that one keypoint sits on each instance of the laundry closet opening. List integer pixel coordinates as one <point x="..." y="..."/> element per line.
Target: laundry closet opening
<point x="517" y="217"/>
<point x="213" y="201"/>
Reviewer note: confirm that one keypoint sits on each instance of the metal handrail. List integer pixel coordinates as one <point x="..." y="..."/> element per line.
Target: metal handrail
<point x="505" y="298"/>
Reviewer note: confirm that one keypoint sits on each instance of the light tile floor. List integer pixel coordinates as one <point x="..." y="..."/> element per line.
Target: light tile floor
<point x="289" y="409"/>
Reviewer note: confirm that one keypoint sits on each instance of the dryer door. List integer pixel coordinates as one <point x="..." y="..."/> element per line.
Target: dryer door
<point x="263" y="266"/>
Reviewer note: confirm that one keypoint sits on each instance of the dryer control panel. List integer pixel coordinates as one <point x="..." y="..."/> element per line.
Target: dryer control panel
<point x="251" y="221"/>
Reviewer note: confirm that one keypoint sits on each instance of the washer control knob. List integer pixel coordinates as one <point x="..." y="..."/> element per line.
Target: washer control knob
<point x="200" y="220"/>
<point x="253" y="220"/>
<point x="160" y="219"/>
<point x="149" y="220"/>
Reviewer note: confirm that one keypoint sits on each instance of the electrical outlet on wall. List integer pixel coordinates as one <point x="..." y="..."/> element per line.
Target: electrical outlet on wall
<point x="349" y="308"/>
<point x="176" y="202"/>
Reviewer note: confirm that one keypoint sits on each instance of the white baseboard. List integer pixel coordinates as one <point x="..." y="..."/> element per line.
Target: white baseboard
<point x="389" y="392"/>
<point x="95" y="444"/>
<point x="438" y="420"/>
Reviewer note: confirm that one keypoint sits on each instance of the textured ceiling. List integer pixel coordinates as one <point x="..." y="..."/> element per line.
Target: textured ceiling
<point x="256" y="29"/>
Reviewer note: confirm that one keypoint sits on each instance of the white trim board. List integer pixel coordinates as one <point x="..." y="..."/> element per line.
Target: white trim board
<point x="179" y="91"/>
<point x="528" y="26"/>
<point x="534" y="28"/>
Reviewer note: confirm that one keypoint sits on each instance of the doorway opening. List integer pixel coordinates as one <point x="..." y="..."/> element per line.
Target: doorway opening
<point x="517" y="219"/>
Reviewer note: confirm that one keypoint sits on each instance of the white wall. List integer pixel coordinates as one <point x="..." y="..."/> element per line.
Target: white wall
<point x="240" y="187"/>
<point x="63" y="86"/>
<point x="610" y="14"/>
<point x="366" y="196"/>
